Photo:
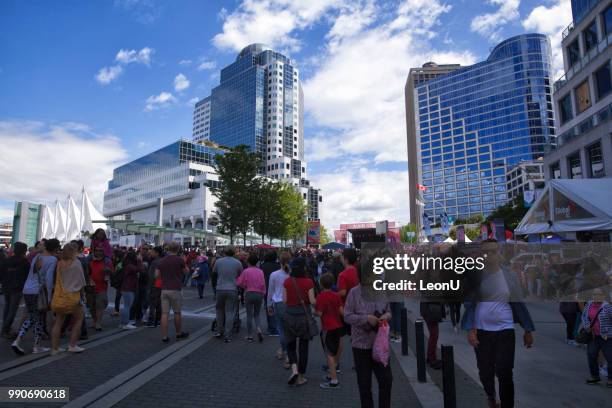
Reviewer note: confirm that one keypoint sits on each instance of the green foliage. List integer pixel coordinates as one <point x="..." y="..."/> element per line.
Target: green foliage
<point x="474" y="219"/>
<point x="267" y="219"/>
<point x="512" y="212"/>
<point x="404" y="230"/>
<point x="293" y="213"/>
<point x="325" y="237"/>
<point x="236" y="203"/>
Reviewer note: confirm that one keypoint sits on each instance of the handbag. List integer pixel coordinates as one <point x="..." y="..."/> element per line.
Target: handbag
<point x="64" y="302"/>
<point x="313" y="327"/>
<point x="584" y="336"/>
<point x="380" y="349"/>
<point x="42" y="301"/>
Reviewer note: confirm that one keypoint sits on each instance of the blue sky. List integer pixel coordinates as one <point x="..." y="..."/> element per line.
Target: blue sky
<point x="88" y="85"/>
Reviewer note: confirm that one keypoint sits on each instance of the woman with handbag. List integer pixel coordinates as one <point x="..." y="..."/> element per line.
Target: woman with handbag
<point x="298" y="323"/>
<point x="69" y="282"/>
<point x="596" y="332"/>
<point x="36" y="294"/>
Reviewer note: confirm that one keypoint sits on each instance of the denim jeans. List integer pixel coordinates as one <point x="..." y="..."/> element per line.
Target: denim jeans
<point x="593" y="348"/>
<point x="128" y="300"/>
<point x="279" y="311"/>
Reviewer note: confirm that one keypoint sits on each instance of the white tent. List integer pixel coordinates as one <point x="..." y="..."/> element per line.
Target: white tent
<point x="89" y="214"/>
<point x="570" y="206"/>
<point x="47" y="223"/>
<point x="449" y="239"/>
<point x="59" y="227"/>
<point x="73" y="221"/>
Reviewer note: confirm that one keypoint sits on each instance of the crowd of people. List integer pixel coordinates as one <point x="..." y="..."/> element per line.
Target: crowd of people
<point x="289" y="288"/>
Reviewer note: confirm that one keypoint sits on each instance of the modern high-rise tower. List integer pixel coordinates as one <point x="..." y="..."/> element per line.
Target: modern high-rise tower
<point x="476" y="121"/>
<point x="259" y="103"/>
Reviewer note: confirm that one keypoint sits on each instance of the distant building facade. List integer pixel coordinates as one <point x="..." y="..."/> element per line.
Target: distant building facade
<point x="583" y="96"/>
<point x="201" y="120"/>
<point x="524" y="176"/>
<point x="6" y="234"/>
<point x="27" y="222"/>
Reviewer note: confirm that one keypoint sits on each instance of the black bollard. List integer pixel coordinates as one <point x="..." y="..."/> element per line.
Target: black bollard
<point x="448" y="377"/>
<point x="420" y="351"/>
<point x="404" y="330"/>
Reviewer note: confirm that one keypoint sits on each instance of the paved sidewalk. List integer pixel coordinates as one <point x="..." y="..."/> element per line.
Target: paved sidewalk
<point x="240" y="374"/>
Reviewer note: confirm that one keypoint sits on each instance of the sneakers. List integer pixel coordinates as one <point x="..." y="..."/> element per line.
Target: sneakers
<point x="227" y="340"/>
<point x="329" y="385"/>
<point x="17" y="348"/>
<point x="75" y="349"/>
<point x="57" y="351"/>
<point x="40" y="350"/>
<point x="593" y="381"/>
<point x="165" y="340"/>
<point x="182" y="336"/>
<point x="151" y="325"/>
<point x="260" y="337"/>
<point x="128" y="327"/>
<point x="325" y="367"/>
<point x="571" y="343"/>
<point x="249" y="339"/>
<point x="218" y="335"/>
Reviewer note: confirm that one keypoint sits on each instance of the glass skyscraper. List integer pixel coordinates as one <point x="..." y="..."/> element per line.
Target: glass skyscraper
<point x="475" y="122"/>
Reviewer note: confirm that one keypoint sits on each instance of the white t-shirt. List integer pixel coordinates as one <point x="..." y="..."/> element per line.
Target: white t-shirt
<point x="494" y="314"/>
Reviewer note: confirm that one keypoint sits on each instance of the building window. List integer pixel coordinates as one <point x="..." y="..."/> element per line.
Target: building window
<point x="602" y="78"/>
<point x="607" y="20"/>
<point x="595" y="161"/>
<point x="573" y="53"/>
<point x="583" y="97"/>
<point x="565" y="108"/>
<point x="555" y="171"/>
<point x="573" y="163"/>
<point x="590" y="36"/>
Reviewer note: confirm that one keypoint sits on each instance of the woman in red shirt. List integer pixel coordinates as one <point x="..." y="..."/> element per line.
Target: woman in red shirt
<point x="298" y="295"/>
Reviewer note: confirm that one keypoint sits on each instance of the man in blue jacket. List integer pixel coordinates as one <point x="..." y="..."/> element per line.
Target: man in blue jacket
<point x="489" y="320"/>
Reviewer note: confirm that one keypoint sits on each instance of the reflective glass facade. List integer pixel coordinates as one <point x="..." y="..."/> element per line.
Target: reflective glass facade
<point x="477" y="121"/>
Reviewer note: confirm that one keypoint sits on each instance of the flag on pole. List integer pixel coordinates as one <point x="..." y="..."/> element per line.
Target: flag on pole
<point x="421" y="187"/>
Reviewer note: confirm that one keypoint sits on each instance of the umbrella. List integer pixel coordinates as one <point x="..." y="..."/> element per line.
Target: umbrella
<point x="334" y="245"/>
<point x="264" y="246"/>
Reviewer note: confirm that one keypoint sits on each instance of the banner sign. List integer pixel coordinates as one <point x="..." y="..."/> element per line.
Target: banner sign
<point x="314" y="232"/>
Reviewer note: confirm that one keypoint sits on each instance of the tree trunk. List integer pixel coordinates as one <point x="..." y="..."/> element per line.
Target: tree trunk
<point x="244" y="239"/>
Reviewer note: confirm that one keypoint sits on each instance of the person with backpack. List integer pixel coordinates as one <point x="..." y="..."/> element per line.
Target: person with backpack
<point x="37" y="292"/>
<point x="100" y="270"/>
<point x="597" y="323"/>
<point x="201" y="274"/>
<point x="330" y="309"/>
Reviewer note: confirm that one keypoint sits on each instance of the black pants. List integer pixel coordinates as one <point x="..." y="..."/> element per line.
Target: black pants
<point x="154" y="305"/>
<point x="117" y="299"/>
<point x="570" y="324"/>
<point x="201" y="287"/>
<point x="11" y="305"/>
<point x="140" y="304"/>
<point x="593" y="348"/>
<point x="302" y="359"/>
<point x="365" y="365"/>
<point x="455" y="312"/>
<point x="495" y="357"/>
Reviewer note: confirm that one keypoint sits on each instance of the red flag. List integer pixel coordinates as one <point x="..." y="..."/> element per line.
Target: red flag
<point x="421" y="187"/>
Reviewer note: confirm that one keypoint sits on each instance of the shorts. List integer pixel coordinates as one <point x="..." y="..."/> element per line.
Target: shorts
<point x="331" y="340"/>
<point x="171" y="299"/>
<point x="100" y="301"/>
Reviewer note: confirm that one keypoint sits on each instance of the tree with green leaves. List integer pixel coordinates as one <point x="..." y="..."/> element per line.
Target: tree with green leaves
<point x="512" y="212"/>
<point x="293" y="213"/>
<point x="325" y="237"/>
<point x="406" y="237"/>
<point x="237" y="193"/>
<point x="267" y="219"/>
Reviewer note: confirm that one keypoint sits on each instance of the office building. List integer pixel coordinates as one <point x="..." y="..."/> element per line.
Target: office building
<point x="416" y="77"/>
<point x="259" y="103"/>
<point x="583" y="96"/>
<point x="27" y="222"/>
<point x="476" y="121"/>
<point x="201" y="120"/>
<point x="6" y="235"/>
<point x="180" y="174"/>
<point x="524" y="176"/>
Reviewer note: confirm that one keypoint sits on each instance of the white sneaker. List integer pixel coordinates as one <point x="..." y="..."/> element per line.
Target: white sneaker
<point x="75" y="349"/>
<point x="39" y="350"/>
<point x="59" y="350"/>
<point x="129" y="326"/>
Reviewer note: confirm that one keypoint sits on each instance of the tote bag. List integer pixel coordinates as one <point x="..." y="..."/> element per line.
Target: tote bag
<point x="64" y="302"/>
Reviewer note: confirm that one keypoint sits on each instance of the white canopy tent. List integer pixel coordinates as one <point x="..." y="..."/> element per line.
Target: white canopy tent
<point x="570" y="206"/>
<point x="452" y="241"/>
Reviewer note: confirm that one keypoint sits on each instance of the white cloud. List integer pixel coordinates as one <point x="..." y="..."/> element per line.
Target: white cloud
<point x="164" y="99"/>
<point x="181" y="83"/>
<point x="6" y="213"/>
<point x="552" y="21"/>
<point x="66" y="157"/>
<point x="489" y="25"/>
<point x="358" y="89"/>
<point x="129" y="56"/>
<point x="356" y="195"/>
<point x="144" y="11"/>
<point x="192" y="101"/>
<point x="185" y="62"/>
<point x="205" y="65"/>
<point x="271" y="22"/>
<point x="107" y="75"/>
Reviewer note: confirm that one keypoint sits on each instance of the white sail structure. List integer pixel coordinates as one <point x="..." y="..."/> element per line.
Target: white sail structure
<point x="47" y="223"/>
<point x="89" y="214"/>
<point x="60" y="222"/>
<point x="73" y="221"/>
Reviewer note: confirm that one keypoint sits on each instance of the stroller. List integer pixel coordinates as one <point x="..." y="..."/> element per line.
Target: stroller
<point x="237" y="321"/>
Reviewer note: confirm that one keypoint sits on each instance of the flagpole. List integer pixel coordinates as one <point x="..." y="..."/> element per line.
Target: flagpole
<point x="82" y="214"/>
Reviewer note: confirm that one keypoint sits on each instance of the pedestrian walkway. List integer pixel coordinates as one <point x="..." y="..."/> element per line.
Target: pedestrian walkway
<point x="241" y="374"/>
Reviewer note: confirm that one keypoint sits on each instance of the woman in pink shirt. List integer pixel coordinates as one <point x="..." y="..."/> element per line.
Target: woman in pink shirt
<point x="254" y="284"/>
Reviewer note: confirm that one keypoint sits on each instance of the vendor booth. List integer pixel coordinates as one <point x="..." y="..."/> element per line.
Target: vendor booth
<point x="576" y="209"/>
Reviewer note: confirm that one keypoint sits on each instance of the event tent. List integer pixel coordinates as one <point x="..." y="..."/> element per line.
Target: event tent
<point x="570" y="205"/>
<point x="334" y="245"/>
